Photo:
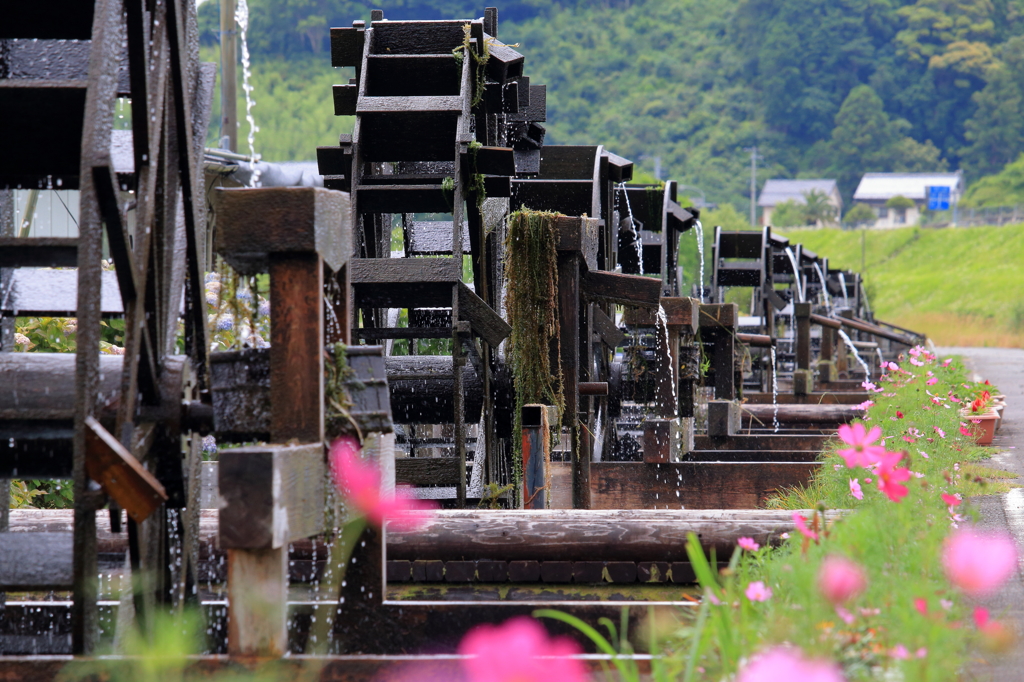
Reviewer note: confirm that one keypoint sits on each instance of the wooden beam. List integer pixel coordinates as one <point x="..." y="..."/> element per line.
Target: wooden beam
<point x="121" y="475"/>
<point x="426" y="471"/>
<point x="718" y="314"/>
<point x="614" y="287"/>
<point x="485" y="323"/>
<point x="573" y="534"/>
<point x="36" y="561"/>
<point x="272" y="495"/>
<point x="764" y="443"/>
<point x="801" y="414"/>
<point x="611" y="335"/>
<point x="713" y="485"/>
<point x="296" y="335"/>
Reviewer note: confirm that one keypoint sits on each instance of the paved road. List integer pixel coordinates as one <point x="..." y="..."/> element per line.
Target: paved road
<point x="1004" y="367"/>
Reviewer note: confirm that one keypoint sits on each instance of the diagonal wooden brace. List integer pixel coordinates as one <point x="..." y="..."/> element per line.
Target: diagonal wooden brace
<point x="121" y="475"/>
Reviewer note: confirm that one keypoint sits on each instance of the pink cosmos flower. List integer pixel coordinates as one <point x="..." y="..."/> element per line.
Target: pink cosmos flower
<point x="899" y="415"/>
<point x="964" y="431"/>
<point x="863" y="452"/>
<point x="978" y="562"/>
<point x="864" y="405"/>
<point x="921" y="604"/>
<point x="856" y="490"/>
<point x="932" y="381"/>
<point x="899" y="651"/>
<point x="892" y="365"/>
<point x="916" y="363"/>
<point x="758" y="591"/>
<point x="942" y="434"/>
<point x="748" y="544"/>
<point x="787" y="664"/>
<point x="845" y="615"/>
<point x="359" y="482"/>
<point x="945" y="363"/>
<point x="867" y="385"/>
<point x="519" y="650"/>
<point x="950" y="500"/>
<point x="890" y="478"/>
<point x="801" y="525"/>
<point x="840" y="579"/>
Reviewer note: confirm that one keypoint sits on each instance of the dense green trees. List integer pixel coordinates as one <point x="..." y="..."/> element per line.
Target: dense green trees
<point x="823" y="88"/>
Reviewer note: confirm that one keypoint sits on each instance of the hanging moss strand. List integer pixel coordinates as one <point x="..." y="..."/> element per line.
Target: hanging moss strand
<point x="531" y="303"/>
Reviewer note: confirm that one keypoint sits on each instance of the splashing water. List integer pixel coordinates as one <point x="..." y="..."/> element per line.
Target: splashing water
<point x="663" y="328"/>
<point x="598" y="437"/>
<point x="242" y="19"/>
<point x="824" y="287"/>
<point x="800" y="295"/>
<point x="775" y="392"/>
<point x="632" y="223"/>
<point x="881" y="360"/>
<point x="698" y="231"/>
<point x="849" y="344"/>
<point x="846" y="295"/>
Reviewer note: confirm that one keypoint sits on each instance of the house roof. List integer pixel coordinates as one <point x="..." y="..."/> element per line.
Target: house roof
<point x="885" y="186"/>
<point x="775" y="192"/>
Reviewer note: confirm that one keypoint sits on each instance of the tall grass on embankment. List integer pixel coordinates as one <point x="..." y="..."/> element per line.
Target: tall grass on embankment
<point x="960" y="286"/>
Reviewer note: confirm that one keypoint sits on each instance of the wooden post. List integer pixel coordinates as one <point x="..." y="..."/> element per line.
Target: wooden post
<point x="229" y="80"/>
<point x="296" y="337"/>
<point x="569" y="342"/>
<point x="802" y="312"/>
<point x="536" y="456"/>
<point x="717" y="323"/>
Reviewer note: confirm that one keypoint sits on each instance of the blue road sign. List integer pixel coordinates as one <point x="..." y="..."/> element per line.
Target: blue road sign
<point x="938" y="198"/>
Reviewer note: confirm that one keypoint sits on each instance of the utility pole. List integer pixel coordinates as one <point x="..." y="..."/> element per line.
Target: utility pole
<point x="228" y="78"/>
<point x="753" y="185"/>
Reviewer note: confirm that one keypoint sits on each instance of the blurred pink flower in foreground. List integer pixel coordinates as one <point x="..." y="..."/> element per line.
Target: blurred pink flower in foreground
<point x="890" y="478"/>
<point x="359" y="482"/>
<point x="979" y="563"/>
<point x="758" y="591"/>
<point x="863" y="452"/>
<point x="840" y="579"/>
<point x="519" y="650"/>
<point x="801" y="525"/>
<point x="785" y="664"/>
<point x="748" y="544"/>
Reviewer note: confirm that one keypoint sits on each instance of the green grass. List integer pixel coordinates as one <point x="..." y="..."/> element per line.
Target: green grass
<point x="959" y="286"/>
<point x="897" y="544"/>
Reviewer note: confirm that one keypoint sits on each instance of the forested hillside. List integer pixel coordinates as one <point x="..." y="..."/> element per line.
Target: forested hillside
<point x="830" y="88"/>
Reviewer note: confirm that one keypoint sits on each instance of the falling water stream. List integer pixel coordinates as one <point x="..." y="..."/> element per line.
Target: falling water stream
<point x="242" y="19"/>
<point x="698" y="231"/>
<point x="824" y="287"/>
<point x="849" y="344"/>
<point x="663" y="329"/>
<point x="800" y="295"/>
<point x="775" y="393"/>
<point x="846" y="296"/>
<point x="632" y="223"/>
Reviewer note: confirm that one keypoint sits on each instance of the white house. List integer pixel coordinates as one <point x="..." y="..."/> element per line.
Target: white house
<point x="877" y="189"/>
<point x="776" y="192"/>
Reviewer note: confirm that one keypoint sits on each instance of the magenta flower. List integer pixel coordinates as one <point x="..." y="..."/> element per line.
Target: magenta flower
<point x="787" y="664"/>
<point x="519" y="650"/>
<point x="748" y="544"/>
<point x="801" y="525"/>
<point x="863" y="452"/>
<point x="840" y="579"/>
<point x="950" y="500"/>
<point x="977" y="562"/>
<point x="758" y="591"/>
<point x="855" y="489"/>
<point x="942" y="434"/>
<point x="890" y="478"/>
<point x="359" y="482"/>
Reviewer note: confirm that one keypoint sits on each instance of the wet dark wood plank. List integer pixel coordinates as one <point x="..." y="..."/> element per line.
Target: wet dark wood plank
<point x="614" y="287"/>
<point x="575" y="534"/>
<point x="296" y="335"/>
<point x="700" y="485"/>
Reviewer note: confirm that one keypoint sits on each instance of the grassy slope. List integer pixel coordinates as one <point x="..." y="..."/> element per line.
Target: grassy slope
<point x="960" y="286"/>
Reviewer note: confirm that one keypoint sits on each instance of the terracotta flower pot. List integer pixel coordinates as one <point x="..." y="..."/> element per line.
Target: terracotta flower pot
<point x="985" y="428"/>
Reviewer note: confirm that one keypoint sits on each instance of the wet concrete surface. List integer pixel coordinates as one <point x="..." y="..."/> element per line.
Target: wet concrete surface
<point x="1004" y="367"/>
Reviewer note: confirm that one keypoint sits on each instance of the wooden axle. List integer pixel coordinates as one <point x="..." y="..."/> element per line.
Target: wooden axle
<point x="628" y="535"/>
